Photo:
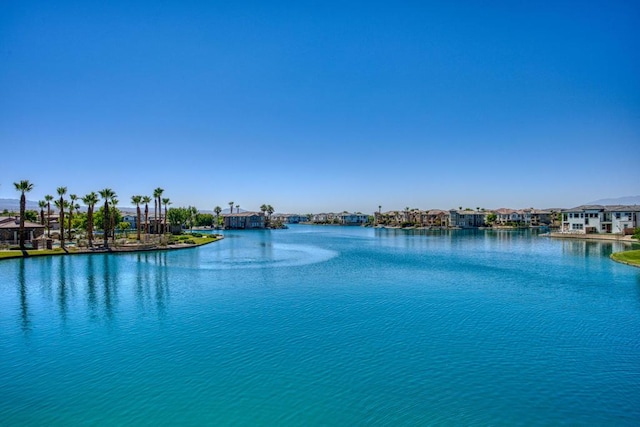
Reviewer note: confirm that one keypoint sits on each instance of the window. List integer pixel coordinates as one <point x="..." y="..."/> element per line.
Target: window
<point x="617" y="215"/>
<point x="576" y="226"/>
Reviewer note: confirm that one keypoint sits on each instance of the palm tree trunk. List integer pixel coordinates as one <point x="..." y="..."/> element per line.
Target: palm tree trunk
<point x="69" y="222"/>
<point x="49" y="219"/>
<point x="61" y="222"/>
<point x="105" y="225"/>
<point x="90" y="225"/>
<point x="23" y="207"/>
<point x="138" y="221"/>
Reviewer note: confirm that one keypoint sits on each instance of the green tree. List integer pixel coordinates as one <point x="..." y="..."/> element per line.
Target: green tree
<point x="217" y="210"/>
<point x="491" y="218"/>
<point x="178" y="216"/>
<point x="107" y="194"/>
<point x="136" y="200"/>
<point x="79" y="221"/>
<point x="23" y="187"/>
<point x="31" y="215"/>
<point x="204" y="220"/>
<point x="90" y="200"/>
<point x="270" y="211"/>
<point x="99" y="217"/>
<point x="61" y="205"/>
<point x="231" y="207"/>
<point x="124" y="226"/>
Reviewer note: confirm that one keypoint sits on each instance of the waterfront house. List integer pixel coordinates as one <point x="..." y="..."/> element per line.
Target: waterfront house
<point x="244" y="220"/>
<point x="430" y="218"/>
<point x="505" y="216"/>
<point x="540" y="217"/>
<point x="289" y="218"/>
<point x="435" y="218"/>
<point x="624" y="218"/>
<point x="353" y="218"/>
<point x="466" y="218"/>
<point x="132" y="219"/>
<point x="10" y="229"/>
<point x="587" y="219"/>
<point x="325" y="218"/>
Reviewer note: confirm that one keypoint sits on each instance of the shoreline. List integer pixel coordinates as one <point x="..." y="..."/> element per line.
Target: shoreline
<point x="631" y="258"/>
<point x="33" y="253"/>
<point x="609" y="237"/>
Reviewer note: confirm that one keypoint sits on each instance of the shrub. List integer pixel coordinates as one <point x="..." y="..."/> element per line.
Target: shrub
<point x="190" y="242"/>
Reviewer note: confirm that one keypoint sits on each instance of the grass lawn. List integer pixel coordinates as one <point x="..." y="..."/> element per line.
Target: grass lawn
<point x="627" y="257"/>
<point x="30" y="252"/>
<point x="198" y="241"/>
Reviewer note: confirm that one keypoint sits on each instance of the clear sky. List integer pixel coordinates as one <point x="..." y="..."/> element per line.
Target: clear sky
<point x="323" y="106"/>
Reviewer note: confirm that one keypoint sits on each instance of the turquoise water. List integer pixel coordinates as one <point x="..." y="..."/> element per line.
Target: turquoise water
<point x="325" y="326"/>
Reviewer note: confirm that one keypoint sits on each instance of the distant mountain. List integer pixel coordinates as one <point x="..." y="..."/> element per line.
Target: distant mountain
<point x="226" y="211"/>
<point x="626" y="200"/>
<point x="14" y="205"/>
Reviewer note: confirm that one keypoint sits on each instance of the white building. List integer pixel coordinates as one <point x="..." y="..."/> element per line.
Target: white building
<point x="353" y="218"/>
<point x="589" y="219"/>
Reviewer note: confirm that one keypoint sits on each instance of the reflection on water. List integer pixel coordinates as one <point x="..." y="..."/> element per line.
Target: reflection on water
<point x="103" y="284"/>
<point x="24" y="305"/>
<point x="94" y="281"/>
<point x="92" y="298"/>
<point x="592" y="248"/>
<point x="62" y="288"/>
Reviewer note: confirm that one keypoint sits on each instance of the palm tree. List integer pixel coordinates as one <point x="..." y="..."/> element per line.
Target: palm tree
<point x="112" y="219"/>
<point x="146" y="200"/>
<point x="231" y="207"/>
<point x="238" y="208"/>
<point x="106" y="195"/>
<point x="193" y="213"/>
<point x="165" y="202"/>
<point x="269" y="212"/>
<point x="23" y="186"/>
<point x="157" y="194"/>
<point x="263" y="208"/>
<point x="48" y="198"/>
<point x="72" y="205"/>
<point x="136" y="200"/>
<point x="90" y="200"/>
<point x="61" y="192"/>
<point x="42" y="204"/>
<point x="217" y="210"/>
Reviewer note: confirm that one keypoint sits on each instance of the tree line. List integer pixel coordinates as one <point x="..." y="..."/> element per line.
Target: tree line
<point x="106" y="218"/>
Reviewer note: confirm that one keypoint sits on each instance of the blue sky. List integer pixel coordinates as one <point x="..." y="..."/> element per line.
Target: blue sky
<point x="323" y="106"/>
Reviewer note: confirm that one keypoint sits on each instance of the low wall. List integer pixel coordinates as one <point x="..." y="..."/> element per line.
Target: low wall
<point x="616" y="237"/>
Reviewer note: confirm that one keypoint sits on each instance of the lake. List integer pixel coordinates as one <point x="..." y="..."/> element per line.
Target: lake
<point x="325" y="325"/>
